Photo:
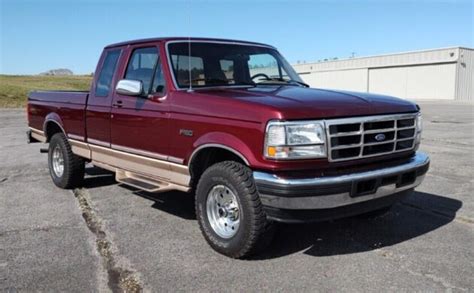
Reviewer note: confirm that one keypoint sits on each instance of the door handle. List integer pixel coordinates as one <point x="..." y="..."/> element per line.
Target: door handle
<point x="117" y="104"/>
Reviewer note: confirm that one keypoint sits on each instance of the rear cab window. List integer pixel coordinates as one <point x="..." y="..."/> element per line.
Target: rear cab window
<point x="106" y="74"/>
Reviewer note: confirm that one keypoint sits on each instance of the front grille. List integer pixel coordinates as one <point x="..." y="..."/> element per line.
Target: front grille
<point x="362" y="137"/>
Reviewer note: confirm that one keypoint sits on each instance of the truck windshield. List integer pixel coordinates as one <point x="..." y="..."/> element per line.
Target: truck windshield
<point x="222" y="64"/>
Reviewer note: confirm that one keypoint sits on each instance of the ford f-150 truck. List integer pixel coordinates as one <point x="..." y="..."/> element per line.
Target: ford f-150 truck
<point x="233" y="123"/>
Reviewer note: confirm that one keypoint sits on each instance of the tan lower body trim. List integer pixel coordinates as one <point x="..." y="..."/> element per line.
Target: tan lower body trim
<point x="38" y="134"/>
<point x="80" y="148"/>
<point x="104" y="166"/>
<point x="111" y="159"/>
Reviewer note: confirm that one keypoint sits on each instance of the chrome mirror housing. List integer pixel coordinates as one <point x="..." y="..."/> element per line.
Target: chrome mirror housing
<point x="129" y="87"/>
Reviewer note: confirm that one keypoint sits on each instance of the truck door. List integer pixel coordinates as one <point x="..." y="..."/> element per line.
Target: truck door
<point x="100" y="99"/>
<point x="139" y="124"/>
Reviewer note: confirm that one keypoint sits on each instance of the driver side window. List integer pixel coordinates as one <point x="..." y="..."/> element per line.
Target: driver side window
<point x="141" y="66"/>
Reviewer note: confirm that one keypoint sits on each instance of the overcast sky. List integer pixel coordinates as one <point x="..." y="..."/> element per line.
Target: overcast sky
<point x="40" y="35"/>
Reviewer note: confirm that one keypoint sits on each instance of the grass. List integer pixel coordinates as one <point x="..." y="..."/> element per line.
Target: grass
<point x="14" y="89"/>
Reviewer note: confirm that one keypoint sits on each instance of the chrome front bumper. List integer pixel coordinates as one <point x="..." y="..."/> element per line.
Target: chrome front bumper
<point x="339" y="191"/>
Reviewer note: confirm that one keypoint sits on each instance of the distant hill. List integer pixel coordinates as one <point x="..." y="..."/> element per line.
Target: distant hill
<point x="59" y="71"/>
<point x="14" y="89"/>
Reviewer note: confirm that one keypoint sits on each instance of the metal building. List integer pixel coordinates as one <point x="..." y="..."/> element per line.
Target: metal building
<point x="446" y="73"/>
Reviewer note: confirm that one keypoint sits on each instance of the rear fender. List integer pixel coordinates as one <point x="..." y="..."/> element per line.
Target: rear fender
<point x="52" y="118"/>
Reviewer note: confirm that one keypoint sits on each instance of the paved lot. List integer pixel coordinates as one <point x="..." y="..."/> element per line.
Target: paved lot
<point x="105" y="236"/>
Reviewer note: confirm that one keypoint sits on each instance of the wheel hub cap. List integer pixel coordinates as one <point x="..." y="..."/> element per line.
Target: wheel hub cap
<point x="58" y="162"/>
<point x="223" y="211"/>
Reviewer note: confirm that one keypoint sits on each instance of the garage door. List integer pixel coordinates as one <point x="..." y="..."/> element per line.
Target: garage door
<point x="415" y="82"/>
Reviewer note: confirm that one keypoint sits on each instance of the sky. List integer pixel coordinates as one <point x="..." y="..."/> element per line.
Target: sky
<point x="46" y="34"/>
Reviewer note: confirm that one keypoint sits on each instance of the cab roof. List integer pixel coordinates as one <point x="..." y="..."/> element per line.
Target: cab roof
<point x="166" y="39"/>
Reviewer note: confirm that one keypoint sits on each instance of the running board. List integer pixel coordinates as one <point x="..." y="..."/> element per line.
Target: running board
<point x="142" y="182"/>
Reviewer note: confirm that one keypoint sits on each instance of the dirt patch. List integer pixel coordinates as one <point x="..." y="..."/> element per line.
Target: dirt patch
<point x="119" y="279"/>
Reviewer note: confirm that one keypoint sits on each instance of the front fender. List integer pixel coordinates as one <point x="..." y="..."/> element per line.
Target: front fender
<point x="223" y="140"/>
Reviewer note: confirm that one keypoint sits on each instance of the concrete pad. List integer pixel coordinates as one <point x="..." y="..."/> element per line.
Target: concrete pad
<point x="44" y="242"/>
<point x="422" y="244"/>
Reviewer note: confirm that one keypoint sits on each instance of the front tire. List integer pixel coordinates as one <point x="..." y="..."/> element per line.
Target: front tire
<point x="66" y="169"/>
<point x="229" y="211"/>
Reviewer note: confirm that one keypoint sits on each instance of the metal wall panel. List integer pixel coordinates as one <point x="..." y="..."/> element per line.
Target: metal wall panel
<point x="415" y="82"/>
<point x="465" y="75"/>
<point x="444" y="55"/>
<point x="446" y="73"/>
<point x="352" y="80"/>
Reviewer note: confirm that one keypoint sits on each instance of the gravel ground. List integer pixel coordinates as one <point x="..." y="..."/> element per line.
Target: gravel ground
<point x="106" y="237"/>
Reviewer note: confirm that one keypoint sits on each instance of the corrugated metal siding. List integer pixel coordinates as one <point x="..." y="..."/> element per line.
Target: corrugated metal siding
<point x="352" y="80"/>
<point x="465" y="75"/>
<point x="401" y="59"/>
<point x="446" y="73"/>
<point x="415" y="82"/>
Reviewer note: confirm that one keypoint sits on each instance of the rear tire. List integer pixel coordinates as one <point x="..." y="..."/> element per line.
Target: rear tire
<point x="66" y="169"/>
<point x="229" y="211"/>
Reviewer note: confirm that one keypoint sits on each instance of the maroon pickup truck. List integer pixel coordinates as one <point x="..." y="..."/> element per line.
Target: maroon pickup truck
<point x="233" y="123"/>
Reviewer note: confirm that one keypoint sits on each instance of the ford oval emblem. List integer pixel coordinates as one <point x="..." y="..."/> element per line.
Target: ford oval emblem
<point x="380" y="137"/>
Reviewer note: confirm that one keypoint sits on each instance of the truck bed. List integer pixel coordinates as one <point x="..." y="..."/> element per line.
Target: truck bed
<point x="69" y="97"/>
<point x="66" y="108"/>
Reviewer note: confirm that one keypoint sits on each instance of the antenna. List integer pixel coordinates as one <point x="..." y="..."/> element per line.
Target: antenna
<point x="190" y="89"/>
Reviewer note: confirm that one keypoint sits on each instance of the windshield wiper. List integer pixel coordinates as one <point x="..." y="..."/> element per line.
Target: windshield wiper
<point x="216" y="82"/>
<point x="221" y="82"/>
<point x="300" y="83"/>
<point x="289" y="81"/>
<point x="211" y="80"/>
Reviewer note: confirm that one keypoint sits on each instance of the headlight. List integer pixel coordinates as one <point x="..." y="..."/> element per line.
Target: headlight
<point x="295" y="140"/>
<point x="419" y="128"/>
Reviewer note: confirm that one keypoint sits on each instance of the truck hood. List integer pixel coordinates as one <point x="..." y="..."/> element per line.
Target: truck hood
<point x="308" y="103"/>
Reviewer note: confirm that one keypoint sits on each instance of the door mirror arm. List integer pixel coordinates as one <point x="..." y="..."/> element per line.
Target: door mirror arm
<point x="156" y="97"/>
<point x="159" y="95"/>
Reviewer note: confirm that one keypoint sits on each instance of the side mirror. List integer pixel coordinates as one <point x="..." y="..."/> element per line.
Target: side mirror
<point x="129" y="87"/>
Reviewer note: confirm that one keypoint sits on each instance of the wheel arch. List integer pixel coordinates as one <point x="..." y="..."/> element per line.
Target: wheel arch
<point x="222" y="140"/>
<point x="52" y="125"/>
<point x="211" y="153"/>
<point x="217" y="146"/>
